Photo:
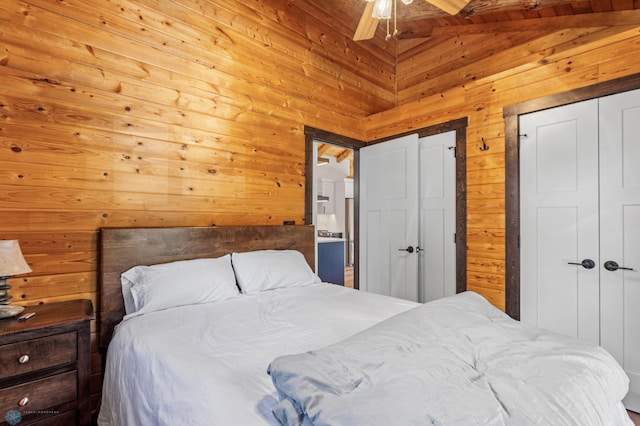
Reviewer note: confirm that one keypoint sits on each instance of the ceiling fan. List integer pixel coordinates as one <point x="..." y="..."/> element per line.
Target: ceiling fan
<point x="375" y="10"/>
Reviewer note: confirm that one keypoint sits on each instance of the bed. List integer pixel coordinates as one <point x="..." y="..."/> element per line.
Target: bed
<point x="292" y="350"/>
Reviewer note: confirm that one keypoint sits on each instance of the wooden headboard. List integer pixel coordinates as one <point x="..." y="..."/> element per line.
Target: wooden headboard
<point x="124" y="248"/>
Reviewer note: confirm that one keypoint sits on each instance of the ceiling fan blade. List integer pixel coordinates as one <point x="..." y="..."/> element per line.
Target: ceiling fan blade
<point x="367" y="25"/>
<point x="452" y="7"/>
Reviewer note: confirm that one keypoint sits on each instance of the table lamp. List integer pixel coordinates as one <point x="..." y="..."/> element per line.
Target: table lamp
<point x="11" y="263"/>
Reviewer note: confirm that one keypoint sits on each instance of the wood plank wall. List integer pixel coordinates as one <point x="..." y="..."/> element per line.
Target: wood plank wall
<point x="534" y="66"/>
<point x="191" y="112"/>
<point x="162" y="113"/>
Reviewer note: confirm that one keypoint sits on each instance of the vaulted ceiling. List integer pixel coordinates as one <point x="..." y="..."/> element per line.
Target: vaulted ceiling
<point x="421" y="19"/>
<point x="435" y="52"/>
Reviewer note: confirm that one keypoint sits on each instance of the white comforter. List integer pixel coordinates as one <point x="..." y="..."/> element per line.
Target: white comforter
<point x="207" y="364"/>
<point x="455" y="361"/>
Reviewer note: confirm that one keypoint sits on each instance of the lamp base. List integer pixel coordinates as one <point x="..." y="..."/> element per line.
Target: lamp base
<point x="7" y="310"/>
<point x="4" y="291"/>
<point x="10" y="311"/>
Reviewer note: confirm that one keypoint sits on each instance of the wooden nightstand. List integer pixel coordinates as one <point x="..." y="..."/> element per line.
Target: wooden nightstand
<point x="45" y="365"/>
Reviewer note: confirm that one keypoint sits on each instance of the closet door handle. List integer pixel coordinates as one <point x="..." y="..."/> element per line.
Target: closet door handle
<point x="408" y="249"/>
<point x="586" y="264"/>
<point x="611" y="265"/>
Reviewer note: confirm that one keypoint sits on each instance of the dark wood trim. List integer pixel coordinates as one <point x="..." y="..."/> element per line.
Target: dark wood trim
<point x="598" y="90"/>
<point x="460" y="127"/>
<point x="308" y="179"/>
<point x="461" y="205"/>
<point x="512" y="171"/>
<point x="458" y="124"/>
<point x="356" y="218"/>
<point x="310" y="135"/>
<point x="333" y="138"/>
<point x="512" y="218"/>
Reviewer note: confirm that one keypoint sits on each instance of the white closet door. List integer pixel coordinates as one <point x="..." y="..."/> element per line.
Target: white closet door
<point x="620" y="233"/>
<point x="559" y="220"/>
<point x="437" y="216"/>
<point x="388" y="218"/>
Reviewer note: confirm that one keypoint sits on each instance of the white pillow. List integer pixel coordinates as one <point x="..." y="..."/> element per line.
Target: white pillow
<point x="127" y="285"/>
<point x="185" y="282"/>
<point x="261" y="270"/>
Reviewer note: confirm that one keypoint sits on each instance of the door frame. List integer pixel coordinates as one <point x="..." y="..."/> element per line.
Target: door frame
<point x="460" y="127"/>
<point x="312" y="135"/>
<point x="511" y="115"/>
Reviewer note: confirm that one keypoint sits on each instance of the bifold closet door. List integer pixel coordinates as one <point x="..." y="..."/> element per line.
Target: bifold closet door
<point x="408" y="217"/>
<point x="559" y="220"/>
<point x="437" y="216"/>
<point x="580" y="225"/>
<point x="620" y="234"/>
<point x="389" y="218"/>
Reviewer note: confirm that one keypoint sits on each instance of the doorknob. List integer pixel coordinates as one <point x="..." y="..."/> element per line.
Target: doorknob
<point x="586" y="264"/>
<point x="611" y="265"/>
<point x="408" y="249"/>
<point x="418" y="249"/>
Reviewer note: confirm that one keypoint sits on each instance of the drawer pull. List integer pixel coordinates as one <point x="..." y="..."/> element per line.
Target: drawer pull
<point x="24" y="401"/>
<point x="24" y="359"/>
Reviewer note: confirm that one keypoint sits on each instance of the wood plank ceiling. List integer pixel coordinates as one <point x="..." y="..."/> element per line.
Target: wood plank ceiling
<point x="435" y="52"/>
<point x="421" y="19"/>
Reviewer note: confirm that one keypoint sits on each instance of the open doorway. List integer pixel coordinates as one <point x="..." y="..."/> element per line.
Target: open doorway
<point x="313" y="136"/>
<point x="334" y="220"/>
<point x="340" y="175"/>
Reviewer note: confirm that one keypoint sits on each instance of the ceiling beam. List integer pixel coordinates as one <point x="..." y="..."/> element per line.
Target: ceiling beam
<point x="480" y="7"/>
<point x="322" y="148"/>
<point x="343" y="155"/>
<point x="421" y="10"/>
<point x="555" y="23"/>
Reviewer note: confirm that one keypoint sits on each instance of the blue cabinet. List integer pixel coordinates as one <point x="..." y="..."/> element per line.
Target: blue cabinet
<point x="331" y="262"/>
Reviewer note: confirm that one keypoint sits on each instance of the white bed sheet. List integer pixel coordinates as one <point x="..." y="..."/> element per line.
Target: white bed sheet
<point x="207" y="364"/>
<point x="454" y="361"/>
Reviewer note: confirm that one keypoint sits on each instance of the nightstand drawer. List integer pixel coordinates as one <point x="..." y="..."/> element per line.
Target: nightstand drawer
<point x="40" y="395"/>
<point x="46" y="363"/>
<point x="36" y="354"/>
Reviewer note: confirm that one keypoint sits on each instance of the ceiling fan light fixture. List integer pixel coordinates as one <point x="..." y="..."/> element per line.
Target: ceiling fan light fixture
<point x="382" y="9"/>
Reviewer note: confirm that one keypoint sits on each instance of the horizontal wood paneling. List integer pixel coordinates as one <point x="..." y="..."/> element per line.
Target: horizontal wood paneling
<point x="190" y="112"/>
<point x="171" y="113"/>
<point x="495" y="54"/>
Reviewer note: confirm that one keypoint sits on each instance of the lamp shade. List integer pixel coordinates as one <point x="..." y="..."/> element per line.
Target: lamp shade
<point x="11" y="260"/>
